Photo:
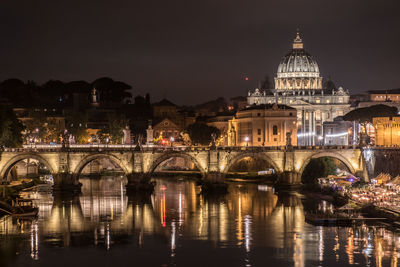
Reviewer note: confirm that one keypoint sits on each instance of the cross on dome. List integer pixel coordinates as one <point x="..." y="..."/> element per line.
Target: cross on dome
<point x="298" y="43"/>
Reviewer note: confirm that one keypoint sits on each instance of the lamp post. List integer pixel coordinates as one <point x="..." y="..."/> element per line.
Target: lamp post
<point x="172" y="139"/>
<point x="107" y="141"/>
<point x="246" y="139"/>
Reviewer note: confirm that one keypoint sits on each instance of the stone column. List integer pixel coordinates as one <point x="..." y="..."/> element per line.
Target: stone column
<point x="138" y="181"/>
<point x="309" y="128"/>
<point x="303" y="121"/>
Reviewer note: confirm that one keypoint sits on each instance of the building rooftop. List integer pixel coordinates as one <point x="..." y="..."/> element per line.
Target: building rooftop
<point x="268" y="106"/>
<point x="164" y="103"/>
<point x="385" y="91"/>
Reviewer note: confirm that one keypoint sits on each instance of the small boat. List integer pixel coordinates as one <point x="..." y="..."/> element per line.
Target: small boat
<point x="23" y="208"/>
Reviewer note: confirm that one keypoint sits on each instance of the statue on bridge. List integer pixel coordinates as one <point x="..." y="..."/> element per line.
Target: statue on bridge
<point x="289" y="139"/>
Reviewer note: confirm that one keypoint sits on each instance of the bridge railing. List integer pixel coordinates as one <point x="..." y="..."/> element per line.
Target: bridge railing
<point x="153" y="148"/>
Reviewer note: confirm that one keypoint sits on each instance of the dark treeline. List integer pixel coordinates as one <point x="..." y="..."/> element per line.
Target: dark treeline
<point x="56" y="92"/>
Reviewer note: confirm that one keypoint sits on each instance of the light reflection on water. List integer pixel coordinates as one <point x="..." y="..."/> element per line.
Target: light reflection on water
<point x="178" y="227"/>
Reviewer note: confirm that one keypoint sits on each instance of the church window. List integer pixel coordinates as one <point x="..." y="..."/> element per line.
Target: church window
<point x="259" y="139"/>
<point x="258" y="131"/>
<point x="166" y="123"/>
<point x="318" y="115"/>
<point x="275" y="130"/>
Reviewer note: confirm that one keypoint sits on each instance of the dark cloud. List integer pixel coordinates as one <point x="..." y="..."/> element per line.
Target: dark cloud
<point x="192" y="51"/>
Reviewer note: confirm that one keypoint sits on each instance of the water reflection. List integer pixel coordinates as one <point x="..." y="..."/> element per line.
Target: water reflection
<point x="247" y="227"/>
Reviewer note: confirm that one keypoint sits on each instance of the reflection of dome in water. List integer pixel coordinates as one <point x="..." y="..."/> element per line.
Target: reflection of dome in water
<point x="298" y="69"/>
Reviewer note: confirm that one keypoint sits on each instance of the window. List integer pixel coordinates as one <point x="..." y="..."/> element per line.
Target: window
<point x="328" y="101"/>
<point x="258" y="131"/>
<point x="275" y="130"/>
<point x="340" y="99"/>
<point x="258" y="114"/>
<point x="259" y="139"/>
<point x="318" y="101"/>
<point x="318" y="115"/>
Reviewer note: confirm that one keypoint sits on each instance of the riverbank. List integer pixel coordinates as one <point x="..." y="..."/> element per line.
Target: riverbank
<point x="314" y="191"/>
<point x="9" y="193"/>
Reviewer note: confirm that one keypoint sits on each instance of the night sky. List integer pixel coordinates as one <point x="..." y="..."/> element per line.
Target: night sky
<point x="194" y="51"/>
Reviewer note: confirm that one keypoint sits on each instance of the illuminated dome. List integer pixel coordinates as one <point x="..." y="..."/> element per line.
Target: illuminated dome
<point x="298" y="70"/>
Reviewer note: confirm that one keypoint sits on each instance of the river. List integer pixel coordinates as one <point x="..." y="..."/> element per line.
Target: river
<point x="176" y="226"/>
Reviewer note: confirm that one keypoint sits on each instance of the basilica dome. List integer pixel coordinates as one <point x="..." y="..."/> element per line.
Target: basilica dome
<point x="298" y="69"/>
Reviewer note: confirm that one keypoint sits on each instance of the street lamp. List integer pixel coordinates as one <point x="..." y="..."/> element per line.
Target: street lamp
<point x="107" y="141"/>
<point x="172" y="139"/>
<point x="246" y="139"/>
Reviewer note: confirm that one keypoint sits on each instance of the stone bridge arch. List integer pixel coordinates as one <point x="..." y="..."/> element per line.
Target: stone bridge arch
<point x="14" y="160"/>
<point x="241" y="155"/>
<point x="86" y="160"/>
<point x="335" y="155"/>
<point x="165" y="156"/>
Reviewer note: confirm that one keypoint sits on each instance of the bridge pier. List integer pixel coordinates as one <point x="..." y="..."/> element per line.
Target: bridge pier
<point x="214" y="182"/>
<point x="289" y="180"/>
<point x="139" y="182"/>
<point x="64" y="182"/>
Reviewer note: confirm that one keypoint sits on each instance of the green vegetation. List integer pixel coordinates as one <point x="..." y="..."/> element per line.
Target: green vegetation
<point x="10" y="128"/>
<point x="317" y="168"/>
<point x="41" y="129"/>
<point x="77" y="125"/>
<point x="200" y="133"/>
<point x="365" y="115"/>
<point x="114" y="129"/>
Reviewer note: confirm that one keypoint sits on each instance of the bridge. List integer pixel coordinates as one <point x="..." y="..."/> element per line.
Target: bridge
<point x="139" y="163"/>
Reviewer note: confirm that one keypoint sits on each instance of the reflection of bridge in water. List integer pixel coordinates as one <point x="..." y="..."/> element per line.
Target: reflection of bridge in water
<point x="66" y="164"/>
<point x="245" y="218"/>
<point x="175" y="207"/>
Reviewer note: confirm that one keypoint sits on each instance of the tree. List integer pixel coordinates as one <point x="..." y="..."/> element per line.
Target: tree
<point x="365" y="115"/>
<point x="77" y="127"/>
<point x="200" y="133"/>
<point x="110" y="91"/>
<point x="10" y="128"/>
<point x="114" y="129"/>
<point x="317" y="168"/>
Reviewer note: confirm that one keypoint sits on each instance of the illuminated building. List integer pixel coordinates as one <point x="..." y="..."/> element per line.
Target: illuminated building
<point x="263" y="125"/>
<point x="387" y="131"/>
<point x="340" y="132"/>
<point x="169" y="121"/>
<point x="298" y="84"/>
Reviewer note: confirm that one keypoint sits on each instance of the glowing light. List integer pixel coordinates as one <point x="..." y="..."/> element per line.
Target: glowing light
<point x="337" y="135"/>
<point x="246" y="78"/>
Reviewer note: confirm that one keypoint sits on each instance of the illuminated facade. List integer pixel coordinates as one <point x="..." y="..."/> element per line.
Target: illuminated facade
<point x="341" y="133"/>
<point x="263" y="125"/>
<point x="298" y="84"/>
<point x="387" y="131"/>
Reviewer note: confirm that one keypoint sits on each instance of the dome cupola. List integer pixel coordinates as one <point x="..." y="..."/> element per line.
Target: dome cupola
<point x="297" y="69"/>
